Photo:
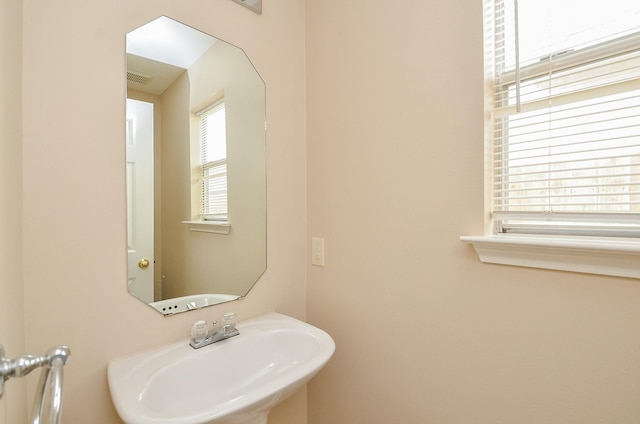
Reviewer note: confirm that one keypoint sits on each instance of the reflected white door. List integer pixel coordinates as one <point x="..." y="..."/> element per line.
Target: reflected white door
<point x="140" y="198"/>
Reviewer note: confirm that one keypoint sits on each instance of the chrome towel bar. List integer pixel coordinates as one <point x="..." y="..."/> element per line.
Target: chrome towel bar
<point x="50" y="383"/>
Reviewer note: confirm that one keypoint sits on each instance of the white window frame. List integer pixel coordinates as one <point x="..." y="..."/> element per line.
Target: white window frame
<point x="203" y="219"/>
<point x="595" y="243"/>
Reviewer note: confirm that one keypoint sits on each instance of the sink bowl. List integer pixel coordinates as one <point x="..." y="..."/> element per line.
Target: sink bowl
<point x="235" y="381"/>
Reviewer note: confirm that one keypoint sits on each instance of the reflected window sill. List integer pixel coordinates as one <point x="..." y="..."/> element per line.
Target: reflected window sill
<point x="592" y="255"/>
<point x="218" y="227"/>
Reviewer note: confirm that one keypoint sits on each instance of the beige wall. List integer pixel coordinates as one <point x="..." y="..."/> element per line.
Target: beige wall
<point x="13" y="403"/>
<point x="174" y="184"/>
<point x="424" y="332"/>
<point x="75" y="259"/>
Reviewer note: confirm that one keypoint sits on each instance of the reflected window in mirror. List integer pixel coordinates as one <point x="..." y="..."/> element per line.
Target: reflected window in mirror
<point x="212" y="167"/>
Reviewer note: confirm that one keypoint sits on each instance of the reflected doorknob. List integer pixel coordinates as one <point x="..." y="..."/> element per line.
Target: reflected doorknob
<point x="143" y="263"/>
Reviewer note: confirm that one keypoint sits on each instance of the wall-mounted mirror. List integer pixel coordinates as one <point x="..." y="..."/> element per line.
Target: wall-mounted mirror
<point x="195" y="161"/>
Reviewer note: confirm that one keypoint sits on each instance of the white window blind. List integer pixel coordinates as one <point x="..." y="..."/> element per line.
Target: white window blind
<point x="213" y="151"/>
<point x="564" y="116"/>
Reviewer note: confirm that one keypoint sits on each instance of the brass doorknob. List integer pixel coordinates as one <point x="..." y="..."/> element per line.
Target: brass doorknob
<point x="143" y="263"/>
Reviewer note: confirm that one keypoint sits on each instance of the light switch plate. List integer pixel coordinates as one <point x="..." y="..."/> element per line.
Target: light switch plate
<point x="317" y="251"/>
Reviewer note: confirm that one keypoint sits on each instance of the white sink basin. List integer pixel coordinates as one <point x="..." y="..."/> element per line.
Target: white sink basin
<point x="235" y="381"/>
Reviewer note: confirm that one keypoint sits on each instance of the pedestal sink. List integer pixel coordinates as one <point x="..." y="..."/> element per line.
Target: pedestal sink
<point x="235" y="381"/>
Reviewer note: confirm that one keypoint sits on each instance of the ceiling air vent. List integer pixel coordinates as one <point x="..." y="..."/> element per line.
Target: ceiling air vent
<point x="138" y="78"/>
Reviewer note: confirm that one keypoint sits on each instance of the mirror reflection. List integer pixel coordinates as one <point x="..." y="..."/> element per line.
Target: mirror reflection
<point x="195" y="161"/>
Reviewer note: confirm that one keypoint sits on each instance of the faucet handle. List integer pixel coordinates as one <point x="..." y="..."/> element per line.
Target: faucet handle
<point x="199" y="331"/>
<point x="229" y="319"/>
<point x="229" y="323"/>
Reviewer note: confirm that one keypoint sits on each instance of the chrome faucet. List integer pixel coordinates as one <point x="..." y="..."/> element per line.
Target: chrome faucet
<point x="201" y="336"/>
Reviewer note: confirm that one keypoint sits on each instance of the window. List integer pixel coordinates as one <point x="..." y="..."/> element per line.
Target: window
<point x="213" y="163"/>
<point x="564" y="118"/>
<point x="563" y="135"/>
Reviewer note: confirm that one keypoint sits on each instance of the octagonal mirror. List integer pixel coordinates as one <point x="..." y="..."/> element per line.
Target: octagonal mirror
<point x="195" y="164"/>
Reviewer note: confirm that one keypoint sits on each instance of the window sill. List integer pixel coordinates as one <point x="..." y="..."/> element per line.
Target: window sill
<point x="593" y="255"/>
<point x="209" y="226"/>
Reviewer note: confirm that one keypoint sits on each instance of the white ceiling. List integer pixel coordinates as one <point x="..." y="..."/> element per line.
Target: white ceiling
<point x="168" y="41"/>
<point x="162" y="50"/>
